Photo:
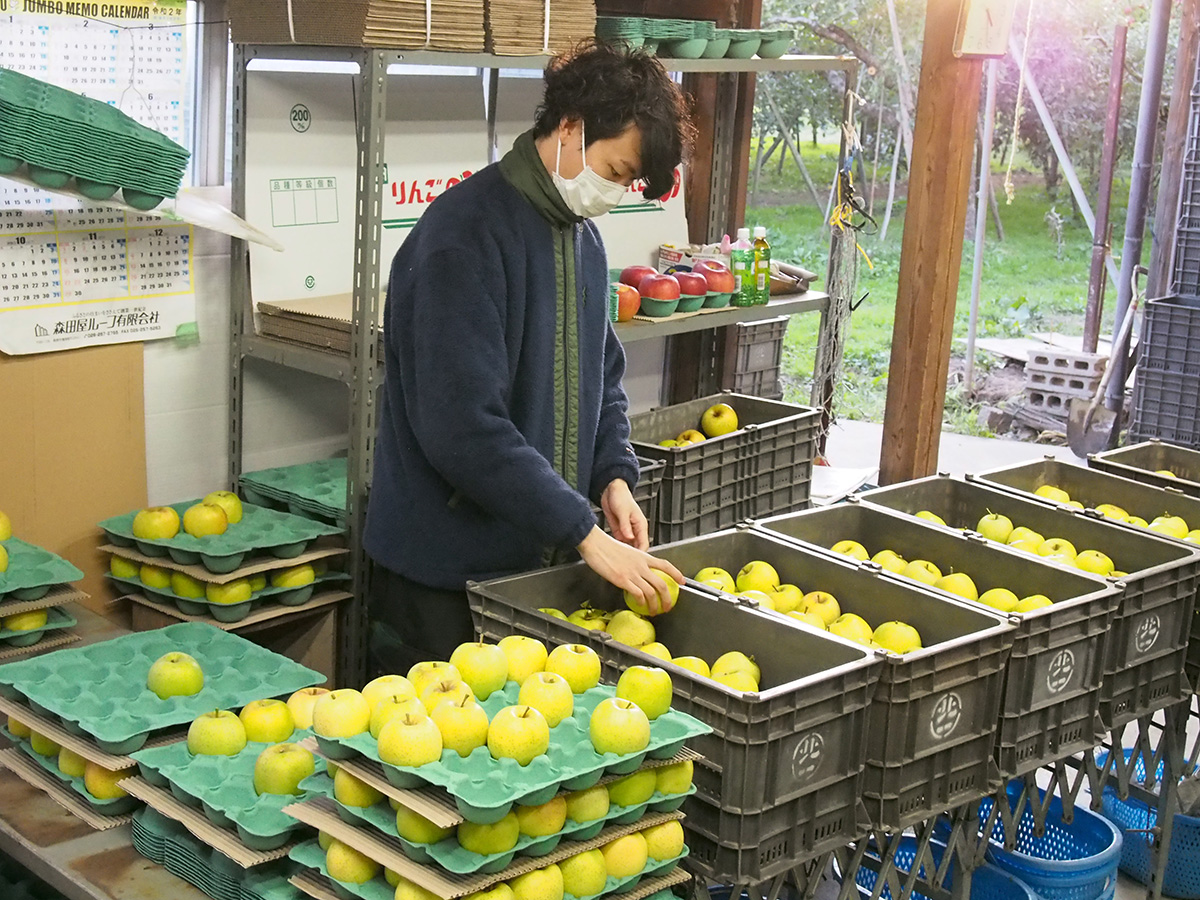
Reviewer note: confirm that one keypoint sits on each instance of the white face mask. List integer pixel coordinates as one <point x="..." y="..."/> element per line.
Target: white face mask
<point x="588" y="194"/>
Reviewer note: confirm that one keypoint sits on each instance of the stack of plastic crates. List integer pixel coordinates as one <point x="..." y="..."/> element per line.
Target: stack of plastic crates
<point x="1135" y="819"/>
<point x="1166" y="390"/>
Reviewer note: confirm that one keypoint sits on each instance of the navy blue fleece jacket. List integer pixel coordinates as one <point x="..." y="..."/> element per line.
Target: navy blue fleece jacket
<point x="482" y="395"/>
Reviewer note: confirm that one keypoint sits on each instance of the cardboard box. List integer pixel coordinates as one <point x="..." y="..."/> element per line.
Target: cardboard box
<point x="683" y="258"/>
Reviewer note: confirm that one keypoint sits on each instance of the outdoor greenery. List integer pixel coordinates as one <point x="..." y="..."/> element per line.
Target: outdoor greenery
<point x="1035" y="280"/>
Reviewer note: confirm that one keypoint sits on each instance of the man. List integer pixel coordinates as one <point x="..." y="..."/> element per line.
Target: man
<point x="503" y="411"/>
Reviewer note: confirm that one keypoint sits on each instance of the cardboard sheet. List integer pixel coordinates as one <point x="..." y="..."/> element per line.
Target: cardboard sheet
<point x="434" y="803"/>
<point x="59" y="595"/>
<point x="84" y="746"/>
<point x="194" y="820"/>
<point x="263" y="562"/>
<point x="321" y="813"/>
<point x="317" y="886"/>
<point x="56" y="640"/>
<point x="31" y="773"/>
<point x="263" y="614"/>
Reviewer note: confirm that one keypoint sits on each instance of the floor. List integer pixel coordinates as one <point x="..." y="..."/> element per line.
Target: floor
<point x="856" y="445"/>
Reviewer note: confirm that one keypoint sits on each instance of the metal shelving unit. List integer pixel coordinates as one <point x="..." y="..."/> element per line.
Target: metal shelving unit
<point x="361" y="372"/>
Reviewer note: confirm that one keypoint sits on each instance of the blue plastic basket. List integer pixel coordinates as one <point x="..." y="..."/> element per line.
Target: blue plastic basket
<point x="987" y="882"/>
<point x="1182" y="878"/>
<point x="1068" y="862"/>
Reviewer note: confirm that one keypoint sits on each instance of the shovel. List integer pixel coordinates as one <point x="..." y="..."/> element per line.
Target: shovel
<point x="1090" y="428"/>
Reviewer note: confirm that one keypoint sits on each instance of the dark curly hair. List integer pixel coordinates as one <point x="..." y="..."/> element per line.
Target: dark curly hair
<point x="611" y="87"/>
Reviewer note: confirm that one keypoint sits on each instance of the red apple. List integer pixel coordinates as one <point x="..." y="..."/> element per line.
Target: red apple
<point x="692" y="283"/>
<point x="629" y="301"/>
<point x="720" y="279"/>
<point x="633" y="275"/>
<point x="659" y="287"/>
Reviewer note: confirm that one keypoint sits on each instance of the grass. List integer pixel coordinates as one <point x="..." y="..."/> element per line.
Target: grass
<point x="1030" y="281"/>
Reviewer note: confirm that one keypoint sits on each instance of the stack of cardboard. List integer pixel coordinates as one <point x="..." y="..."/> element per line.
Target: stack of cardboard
<point x="319" y="322"/>
<point x="531" y="27"/>
<point x="454" y="25"/>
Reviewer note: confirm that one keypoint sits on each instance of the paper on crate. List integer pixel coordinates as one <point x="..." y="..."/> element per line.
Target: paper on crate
<point x="34" y="775"/>
<point x="258" y="562"/>
<point x="84" y="746"/>
<point x="221" y="839"/>
<point x="435" y="803"/>
<point x="321" y="813"/>
<point x="263" y="614"/>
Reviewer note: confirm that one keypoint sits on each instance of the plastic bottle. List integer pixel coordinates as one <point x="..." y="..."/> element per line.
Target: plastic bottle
<point x="741" y="259"/>
<point x="762" y="267"/>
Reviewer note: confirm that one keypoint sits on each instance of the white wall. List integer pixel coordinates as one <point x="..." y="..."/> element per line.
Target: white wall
<point x="289" y="417"/>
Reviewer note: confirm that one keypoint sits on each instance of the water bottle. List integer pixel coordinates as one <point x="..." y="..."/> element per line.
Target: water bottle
<point x="741" y="259"/>
<point x="762" y="267"/>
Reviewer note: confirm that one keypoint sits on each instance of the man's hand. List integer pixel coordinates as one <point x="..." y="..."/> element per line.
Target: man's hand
<point x="625" y="518"/>
<point x="629" y="568"/>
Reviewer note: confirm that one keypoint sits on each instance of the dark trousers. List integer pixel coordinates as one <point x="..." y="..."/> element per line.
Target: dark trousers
<point x="412" y="623"/>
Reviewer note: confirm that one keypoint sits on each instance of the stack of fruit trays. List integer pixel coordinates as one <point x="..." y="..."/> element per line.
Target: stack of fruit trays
<point x="508" y="772"/>
<point x="315" y="489"/>
<point x="34" y="586"/>
<point x="169" y="844"/>
<point x="60" y="135"/>
<point x="79" y="712"/>
<point x="258" y="557"/>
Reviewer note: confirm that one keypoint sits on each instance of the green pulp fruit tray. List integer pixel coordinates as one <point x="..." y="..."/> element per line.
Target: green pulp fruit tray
<point x="230" y="612"/>
<point x="167" y="843"/>
<point x="223" y="786"/>
<point x="278" y="533"/>
<point x="484" y="789"/>
<point x="453" y="857"/>
<point x="320" y="484"/>
<point x="117" y="806"/>
<point x="63" y="134"/>
<point x="32" y="571"/>
<point x="100" y="690"/>
<point x="56" y="618"/>
<point x="310" y="855"/>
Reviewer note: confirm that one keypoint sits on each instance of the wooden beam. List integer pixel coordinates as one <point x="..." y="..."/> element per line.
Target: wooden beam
<point x="931" y="251"/>
<point x="1166" y="215"/>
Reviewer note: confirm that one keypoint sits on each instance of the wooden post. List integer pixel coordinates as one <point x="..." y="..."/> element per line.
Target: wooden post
<point x="931" y="252"/>
<point x="1166" y="214"/>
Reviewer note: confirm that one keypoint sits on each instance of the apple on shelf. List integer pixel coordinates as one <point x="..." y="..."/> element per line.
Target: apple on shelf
<point x="629" y="301"/>
<point x="660" y="295"/>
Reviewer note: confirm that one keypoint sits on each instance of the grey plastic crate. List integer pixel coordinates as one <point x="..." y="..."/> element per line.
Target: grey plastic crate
<point x="1185" y="265"/>
<point x="1143" y="660"/>
<point x="961" y="668"/>
<point x="645" y="492"/>
<point x="1093" y="487"/>
<point x="1052" y="677"/>
<point x="763" y="467"/>
<point x="1170" y="339"/>
<point x="1166" y="405"/>
<point x="1141" y="461"/>
<point x="765" y="384"/>
<point x="804" y="731"/>
<point x="760" y="344"/>
<point x="758" y="847"/>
